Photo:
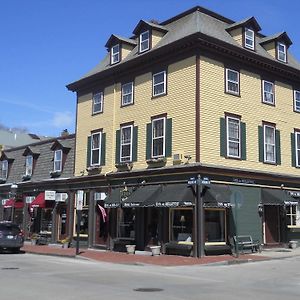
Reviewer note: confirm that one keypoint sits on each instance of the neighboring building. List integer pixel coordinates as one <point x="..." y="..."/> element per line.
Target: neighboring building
<point x="196" y="94"/>
<point x="26" y="172"/>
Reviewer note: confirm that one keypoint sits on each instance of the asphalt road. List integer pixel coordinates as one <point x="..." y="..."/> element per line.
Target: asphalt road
<point x="26" y="276"/>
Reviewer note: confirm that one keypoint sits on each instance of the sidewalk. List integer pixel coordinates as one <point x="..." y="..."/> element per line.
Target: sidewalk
<point x="142" y="257"/>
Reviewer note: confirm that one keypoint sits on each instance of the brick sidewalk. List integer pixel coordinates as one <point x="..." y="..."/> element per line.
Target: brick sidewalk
<point x="124" y="258"/>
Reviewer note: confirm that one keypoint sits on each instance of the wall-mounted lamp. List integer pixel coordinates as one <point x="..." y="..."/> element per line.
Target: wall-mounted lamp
<point x="260" y="208"/>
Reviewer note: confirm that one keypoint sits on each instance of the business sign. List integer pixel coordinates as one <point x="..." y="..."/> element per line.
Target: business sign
<point x="61" y="197"/>
<point x="79" y="200"/>
<point x="50" y="195"/>
<point x="4" y="201"/>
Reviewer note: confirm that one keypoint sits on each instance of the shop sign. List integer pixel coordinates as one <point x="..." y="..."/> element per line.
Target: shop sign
<point x="50" y="195"/>
<point x="4" y="201"/>
<point x="294" y="194"/>
<point x="79" y="200"/>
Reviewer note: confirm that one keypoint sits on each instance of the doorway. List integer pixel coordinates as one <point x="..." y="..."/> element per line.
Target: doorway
<point x="272" y="224"/>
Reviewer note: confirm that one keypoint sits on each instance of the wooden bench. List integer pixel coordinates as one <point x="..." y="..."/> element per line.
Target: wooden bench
<point x="245" y="242"/>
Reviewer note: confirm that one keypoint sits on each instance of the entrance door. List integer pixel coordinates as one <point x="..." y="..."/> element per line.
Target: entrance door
<point x="272" y="224"/>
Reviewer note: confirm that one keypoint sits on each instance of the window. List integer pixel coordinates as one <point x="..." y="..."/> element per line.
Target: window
<point x="126" y="223"/>
<point x="4" y="169"/>
<point x="269" y="144"/>
<point x="297" y="145"/>
<point x="268" y="92"/>
<point x="115" y="54"/>
<point x="144" y="41"/>
<point x="95" y="149"/>
<point x="97" y="102"/>
<point x="233" y="137"/>
<point x="126" y="143"/>
<point x="249" y="38"/>
<point x="181" y="225"/>
<point x="232" y="82"/>
<point x="159" y="83"/>
<point x="28" y="165"/>
<point x="215" y="224"/>
<point x="127" y="93"/>
<point x="297" y="101"/>
<point x="281" y="52"/>
<point x="158" y="137"/>
<point x="58" y="161"/>
<point x="293" y="215"/>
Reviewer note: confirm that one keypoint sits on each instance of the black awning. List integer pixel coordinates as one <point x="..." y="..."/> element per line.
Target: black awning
<point x="113" y="200"/>
<point x="217" y="195"/>
<point x="275" y="197"/>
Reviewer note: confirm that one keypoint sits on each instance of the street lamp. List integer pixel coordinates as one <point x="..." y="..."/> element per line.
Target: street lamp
<point x="13" y="193"/>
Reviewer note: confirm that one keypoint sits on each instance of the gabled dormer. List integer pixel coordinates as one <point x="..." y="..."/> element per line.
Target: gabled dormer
<point x="31" y="157"/>
<point x="60" y="150"/>
<point x="119" y="48"/>
<point x="5" y="165"/>
<point x="277" y="46"/>
<point x="148" y="35"/>
<point x="245" y="32"/>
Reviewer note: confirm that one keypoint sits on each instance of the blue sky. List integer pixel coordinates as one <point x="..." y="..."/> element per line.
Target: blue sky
<point x="46" y="44"/>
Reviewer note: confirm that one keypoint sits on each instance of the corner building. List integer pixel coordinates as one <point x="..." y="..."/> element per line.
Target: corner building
<point x="198" y="94"/>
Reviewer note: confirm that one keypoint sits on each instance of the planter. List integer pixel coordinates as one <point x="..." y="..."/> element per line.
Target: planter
<point x="293" y="244"/>
<point x="65" y="245"/>
<point x="155" y="250"/>
<point x="33" y="242"/>
<point x="130" y="249"/>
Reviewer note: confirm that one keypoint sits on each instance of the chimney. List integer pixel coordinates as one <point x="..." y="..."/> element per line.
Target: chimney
<point x="64" y="133"/>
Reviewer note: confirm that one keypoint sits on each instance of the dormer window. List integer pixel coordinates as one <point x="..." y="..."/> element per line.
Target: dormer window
<point x="144" y="41"/>
<point x="249" y="38"/>
<point x="4" y="169"/>
<point x="28" y="165"/>
<point x="115" y="54"/>
<point x="281" y="52"/>
<point x="57" y="167"/>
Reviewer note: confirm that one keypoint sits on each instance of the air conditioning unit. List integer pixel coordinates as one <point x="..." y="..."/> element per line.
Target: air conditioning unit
<point x="61" y="197"/>
<point x="177" y="158"/>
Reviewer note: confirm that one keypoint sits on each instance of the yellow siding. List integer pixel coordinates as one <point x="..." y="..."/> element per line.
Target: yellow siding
<point x="271" y="49"/>
<point x="214" y="102"/>
<point x="156" y="37"/>
<point x="126" y="49"/>
<point x="179" y="104"/>
<point x="237" y="35"/>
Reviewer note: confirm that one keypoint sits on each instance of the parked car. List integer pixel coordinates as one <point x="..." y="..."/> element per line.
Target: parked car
<point x="11" y="237"/>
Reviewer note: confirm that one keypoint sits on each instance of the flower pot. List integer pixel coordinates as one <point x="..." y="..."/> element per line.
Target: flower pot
<point x="130" y="249"/>
<point x="155" y="250"/>
<point x="33" y="242"/>
<point x="293" y="244"/>
<point x="65" y="245"/>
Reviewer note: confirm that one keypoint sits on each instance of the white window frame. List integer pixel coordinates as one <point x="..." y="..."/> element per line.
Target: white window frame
<point x="28" y="165"/>
<point x="55" y="160"/>
<point x="290" y="214"/>
<point x="115" y="54"/>
<point x="98" y="100"/>
<point x="124" y="94"/>
<point x="143" y="41"/>
<point x="269" y="144"/>
<point x="297" y="148"/>
<point x="4" y="169"/>
<point x="164" y="83"/>
<point x="265" y="100"/>
<point x="280" y="52"/>
<point x="163" y="137"/>
<point x="297" y="101"/>
<point x="96" y="149"/>
<point x="125" y="159"/>
<point x="233" y="82"/>
<point x="228" y="118"/>
<point x="250" y="38"/>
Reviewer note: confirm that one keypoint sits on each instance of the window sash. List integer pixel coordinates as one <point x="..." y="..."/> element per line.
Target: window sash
<point x="233" y="137"/>
<point x="4" y="169"/>
<point x="97" y="102"/>
<point x="57" y="160"/>
<point x="297" y="146"/>
<point x="28" y="165"/>
<point x="249" y="38"/>
<point x="159" y="83"/>
<point x="269" y="144"/>
<point x="281" y="52"/>
<point x="115" y="54"/>
<point x="126" y="133"/>
<point x="127" y="93"/>
<point x="297" y="100"/>
<point x="232" y="81"/>
<point x="96" y="148"/>
<point x="144" y="41"/>
<point x="268" y="92"/>
<point x="158" y="137"/>
<point x="293" y="215"/>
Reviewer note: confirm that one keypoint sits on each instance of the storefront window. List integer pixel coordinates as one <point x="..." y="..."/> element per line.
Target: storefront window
<point x="18" y="216"/>
<point x="181" y="225"/>
<point x="215" y="225"/>
<point x="293" y="215"/>
<point x="126" y="221"/>
<point x="46" y="220"/>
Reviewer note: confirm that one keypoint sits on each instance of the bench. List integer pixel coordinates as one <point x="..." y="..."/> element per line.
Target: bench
<point x="245" y="242"/>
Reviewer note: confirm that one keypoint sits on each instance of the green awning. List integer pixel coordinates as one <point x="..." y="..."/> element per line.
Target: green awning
<point x="275" y="197"/>
<point x="217" y="195"/>
<point x="113" y="200"/>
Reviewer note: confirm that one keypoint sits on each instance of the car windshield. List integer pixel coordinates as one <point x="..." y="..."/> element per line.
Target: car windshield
<point x="13" y="228"/>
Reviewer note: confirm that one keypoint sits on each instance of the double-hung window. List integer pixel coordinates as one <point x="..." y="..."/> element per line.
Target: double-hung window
<point x="96" y="148"/>
<point x="115" y="54"/>
<point x="97" y="102"/>
<point x="293" y="215"/>
<point x="297" y="101"/>
<point x="57" y="161"/>
<point x="126" y="143"/>
<point x="158" y="137"/>
<point x="269" y="144"/>
<point x="268" y="92"/>
<point x="4" y="169"/>
<point x="159" y="83"/>
<point x="233" y="137"/>
<point x="232" y="82"/>
<point x="249" y="38"/>
<point x="144" y="41"/>
<point x="297" y="148"/>
<point x="28" y="165"/>
<point x="281" y="52"/>
<point x="127" y="93"/>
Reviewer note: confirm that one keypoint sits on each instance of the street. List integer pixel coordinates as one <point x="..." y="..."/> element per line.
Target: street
<point x="27" y="276"/>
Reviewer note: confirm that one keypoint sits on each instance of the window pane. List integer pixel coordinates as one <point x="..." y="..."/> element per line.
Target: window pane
<point x="126" y="136"/>
<point x="95" y="157"/>
<point x="182" y="225"/>
<point x="159" y="83"/>
<point x="127" y="93"/>
<point x="232" y="76"/>
<point x="158" y="146"/>
<point x="158" y="128"/>
<point x="214" y="225"/>
<point x="96" y="141"/>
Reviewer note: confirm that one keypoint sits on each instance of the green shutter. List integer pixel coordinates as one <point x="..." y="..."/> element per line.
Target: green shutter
<point x="88" y="151"/>
<point x="148" y="141"/>
<point x="293" y="149"/>
<point x="103" y="149"/>
<point x="168" y="137"/>
<point x="118" y="142"/>
<point x="243" y="141"/>
<point x="135" y="143"/>
<point x="278" y="148"/>
<point x="223" y="148"/>
<point x="260" y="144"/>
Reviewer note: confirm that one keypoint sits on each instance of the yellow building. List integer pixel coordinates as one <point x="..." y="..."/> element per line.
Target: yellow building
<point x="196" y="96"/>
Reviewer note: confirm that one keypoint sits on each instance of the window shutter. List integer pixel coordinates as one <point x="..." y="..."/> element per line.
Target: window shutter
<point x="293" y="149"/>
<point x="223" y="148"/>
<point x="260" y="144"/>
<point x="103" y="148"/>
<point x="168" y="137"/>
<point x="278" y="150"/>
<point x="135" y="143"/>
<point x="148" y="141"/>
<point x="243" y="141"/>
<point x="118" y="142"/>
<point x="88" y="156"/>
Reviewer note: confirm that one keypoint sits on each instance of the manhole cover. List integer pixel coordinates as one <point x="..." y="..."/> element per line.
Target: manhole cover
<point x="10" y="268"/>
<point x="148" y="290"/>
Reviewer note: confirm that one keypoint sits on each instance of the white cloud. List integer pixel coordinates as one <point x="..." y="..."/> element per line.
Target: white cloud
<point x="62" y="119"/>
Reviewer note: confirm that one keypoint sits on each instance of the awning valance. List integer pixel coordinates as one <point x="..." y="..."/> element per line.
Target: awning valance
<point x="113" y="200"/>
